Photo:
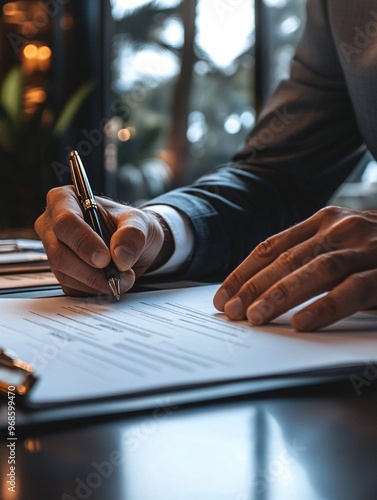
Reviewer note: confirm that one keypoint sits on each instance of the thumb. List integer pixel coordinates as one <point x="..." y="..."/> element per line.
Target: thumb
<point x="137" y="240"/>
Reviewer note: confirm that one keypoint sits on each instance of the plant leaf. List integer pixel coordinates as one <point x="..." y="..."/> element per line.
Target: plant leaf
<point x="11" y="93"/>
<point x="71" y="108"/>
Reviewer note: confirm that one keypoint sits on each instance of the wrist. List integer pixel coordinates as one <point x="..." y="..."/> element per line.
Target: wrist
<point x="168" y="245"/>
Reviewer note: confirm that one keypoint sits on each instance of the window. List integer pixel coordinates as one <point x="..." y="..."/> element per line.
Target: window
<point x="184" y="85"/>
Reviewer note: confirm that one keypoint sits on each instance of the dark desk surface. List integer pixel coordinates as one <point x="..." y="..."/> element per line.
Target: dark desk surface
<point x="313" y="443"/>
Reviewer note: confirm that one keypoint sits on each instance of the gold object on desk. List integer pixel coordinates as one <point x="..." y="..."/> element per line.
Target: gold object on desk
<point x="19" y="375"/>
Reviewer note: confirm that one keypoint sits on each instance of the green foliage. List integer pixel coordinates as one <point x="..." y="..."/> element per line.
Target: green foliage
<point x="141" y="25"/>
<point x="11" y="94"/>
<point x="26" y="146"/>
<point x="72" y="106"/>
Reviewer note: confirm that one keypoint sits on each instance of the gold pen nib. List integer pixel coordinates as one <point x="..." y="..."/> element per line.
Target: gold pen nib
<point x="114" y="284"/>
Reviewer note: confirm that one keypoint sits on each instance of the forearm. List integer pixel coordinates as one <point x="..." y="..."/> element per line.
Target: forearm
<point x="304" y="145"/>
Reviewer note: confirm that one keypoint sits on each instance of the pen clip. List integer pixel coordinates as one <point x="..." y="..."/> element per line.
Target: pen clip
<point x="74" y="180"/>
<point x="81" y="183"/>
<point x="19" y="375"/>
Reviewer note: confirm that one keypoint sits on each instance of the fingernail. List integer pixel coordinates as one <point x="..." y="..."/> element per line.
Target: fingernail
<point x="234" y="309"/>
<point x="221" y="298"/>
<point x="126" y="257"/>
<point x="127" y="281"/>
<point x="303" y="320"/>
<point x="257" y="315"/>
<point x="100" y="259"/>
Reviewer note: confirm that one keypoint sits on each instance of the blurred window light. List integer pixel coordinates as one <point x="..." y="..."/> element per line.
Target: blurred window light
<point x="232" y="124"/>
<point x="172" y="33"/>
<point x="282" y="60"/>
<point x="248" y="119"/>
<point x="224" y="30"/>
<point x="10" y="9"/>
<point x="197" y="127"/>
<point x="36" y="58"/>
<point x="370" y="173"/>
<point x="14" y="12"/>
<point x="195" y="132"/>
<point x="44" y="53"/>
<point x="124" y="135"/>
<point x="30" y="51"/>
<point x="35" y="95"/>
<point x="120" y="8"/>
<point x="290" y="25"/>
<point x="146" y="67"/>
<point x="280" y="4"/>
<point x="201" y="68"/>
<point x="112" y="128"/>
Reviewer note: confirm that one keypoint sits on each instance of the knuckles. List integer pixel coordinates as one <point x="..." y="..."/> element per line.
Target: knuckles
<point x="329" y="307"/>
<point x="364" y="284"/>
<point x="57" y="194"/>
<point x="63" y="224"/>
<point x="136" y="238"/>
<point x="249" y="291"/>
<point x="347" y="221"/>
<point x="287" y="261"/>
<point x="266" y="248"/>
<point x="332" y="264"/>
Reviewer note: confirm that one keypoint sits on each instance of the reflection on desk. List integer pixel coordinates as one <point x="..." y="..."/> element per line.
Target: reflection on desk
<point x="307" y="444"/>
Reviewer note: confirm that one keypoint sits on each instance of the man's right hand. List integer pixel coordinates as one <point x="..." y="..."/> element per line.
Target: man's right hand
<point x="135" y="240"/>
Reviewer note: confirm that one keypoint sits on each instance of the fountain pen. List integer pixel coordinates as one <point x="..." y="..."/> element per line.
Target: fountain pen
<point x="90" y="210"/>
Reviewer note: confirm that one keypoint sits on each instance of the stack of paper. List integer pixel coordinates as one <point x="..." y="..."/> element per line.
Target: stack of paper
<point x="159" y="341"/>
<point x="22" y="256"/>
<point x="24" y="266"/>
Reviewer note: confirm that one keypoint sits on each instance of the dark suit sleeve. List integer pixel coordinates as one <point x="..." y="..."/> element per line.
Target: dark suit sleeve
<point x="304" y="145"/>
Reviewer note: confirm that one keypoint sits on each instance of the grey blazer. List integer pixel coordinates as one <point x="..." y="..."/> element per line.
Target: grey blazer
<point x="311" y="134"/>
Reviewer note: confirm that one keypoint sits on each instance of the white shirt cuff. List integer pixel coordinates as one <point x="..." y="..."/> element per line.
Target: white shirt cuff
<point x="182" y="235"/>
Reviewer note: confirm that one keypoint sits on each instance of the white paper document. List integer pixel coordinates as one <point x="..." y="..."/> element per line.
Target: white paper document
<point x="22" y="255"/>
<point x="156" y="341"/>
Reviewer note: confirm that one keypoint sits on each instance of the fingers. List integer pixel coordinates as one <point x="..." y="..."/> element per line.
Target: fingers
<point x="93" y="283"/>
<point x="128" y="242"/>
<point x="73" y="273"/>
<point x="357" y="292"/>
<point x="308" y="281"/>
<point x="268" y="251"/>
<point x="302" y="279"/>
<point x="77" y="255"/>
<point x="137" y="241"/>
<point x="293" y="267"/>
<point x="263" y="255"/>
<point x="70" y="228"/>
<point x="323" y="273"/>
